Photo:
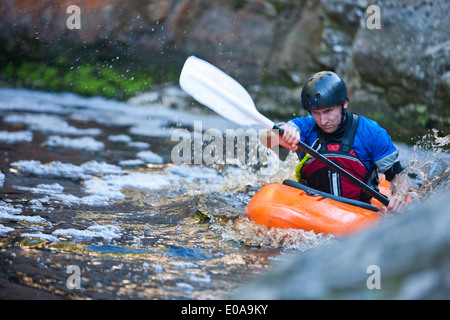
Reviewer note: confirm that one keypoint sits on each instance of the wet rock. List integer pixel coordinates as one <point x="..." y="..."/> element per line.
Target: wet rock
<point x="408" y="56"/>
<point x="399" y="69"/>
<point x="406" y="257"/>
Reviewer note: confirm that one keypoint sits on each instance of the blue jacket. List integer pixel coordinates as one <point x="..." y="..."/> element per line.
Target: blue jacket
<point x="372" y="143"/>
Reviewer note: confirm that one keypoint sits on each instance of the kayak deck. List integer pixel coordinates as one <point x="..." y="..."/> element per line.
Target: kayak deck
<point x="283" y="206"/>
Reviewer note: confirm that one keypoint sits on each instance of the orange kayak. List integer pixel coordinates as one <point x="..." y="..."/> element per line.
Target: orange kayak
<point x="291" y="205"/>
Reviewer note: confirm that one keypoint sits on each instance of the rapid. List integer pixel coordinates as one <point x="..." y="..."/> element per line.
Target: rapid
<point x="93" y="207"/>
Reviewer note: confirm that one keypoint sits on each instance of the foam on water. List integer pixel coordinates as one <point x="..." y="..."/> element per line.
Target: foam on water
<point x="150" y="157"/>
<point x="16" y="136"/>
<point x="40" y="235"/>
<point x="48" y="124"/>
<point x="120" y="138"/>
<point x="4" y="230"/>
<point x="65" y="170"/>
<point x="106" y="232"/>
<point x="13" y="215"/>
<point x="105" y="181"/>
<point x="85" y="143"/>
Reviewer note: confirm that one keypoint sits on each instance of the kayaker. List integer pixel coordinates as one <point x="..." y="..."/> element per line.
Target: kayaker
<point x="357" y="144"/>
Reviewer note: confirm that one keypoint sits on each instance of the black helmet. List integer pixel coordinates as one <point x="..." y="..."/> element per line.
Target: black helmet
<point x="322" y="90"/>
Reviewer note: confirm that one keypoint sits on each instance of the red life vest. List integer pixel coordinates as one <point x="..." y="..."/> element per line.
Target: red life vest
<point x="316" y="175"/>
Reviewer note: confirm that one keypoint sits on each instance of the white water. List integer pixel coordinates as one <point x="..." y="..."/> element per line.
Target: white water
<point x="72" y="167"/>
<point x="102" y="183"/>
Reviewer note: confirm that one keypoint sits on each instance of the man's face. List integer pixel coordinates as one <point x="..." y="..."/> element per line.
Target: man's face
<point x="328" y="119"/>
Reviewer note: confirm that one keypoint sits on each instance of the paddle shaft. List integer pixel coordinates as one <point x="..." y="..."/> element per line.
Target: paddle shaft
<point x="330" y="164"/>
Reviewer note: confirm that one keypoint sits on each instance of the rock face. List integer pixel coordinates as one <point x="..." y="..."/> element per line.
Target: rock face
<point x="402" y="68"/>
<point x="409" y="56"/>
<point x="406" y="257"/>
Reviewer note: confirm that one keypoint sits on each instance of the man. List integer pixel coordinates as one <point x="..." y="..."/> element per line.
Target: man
<point x="357" y="144"/>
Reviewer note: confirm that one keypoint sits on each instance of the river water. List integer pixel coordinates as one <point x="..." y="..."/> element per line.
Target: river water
<point x="93" y="207"/>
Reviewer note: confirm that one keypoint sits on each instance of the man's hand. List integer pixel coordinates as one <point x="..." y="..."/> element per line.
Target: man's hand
<point x="399" y="193"/>
<point x="289" y="139"/>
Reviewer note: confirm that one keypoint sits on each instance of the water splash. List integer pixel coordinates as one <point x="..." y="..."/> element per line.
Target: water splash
<point x="242" y="183"/>
<point x="428" y="169"/>
<point x="275" y="170"/>
<point x="250" y="233"/>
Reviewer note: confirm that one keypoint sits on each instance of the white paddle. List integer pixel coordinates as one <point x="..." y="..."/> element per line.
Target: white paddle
<point x="219" y="92"/>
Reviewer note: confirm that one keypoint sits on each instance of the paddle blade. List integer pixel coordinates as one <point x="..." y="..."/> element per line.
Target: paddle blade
<point x="215" y="89"/>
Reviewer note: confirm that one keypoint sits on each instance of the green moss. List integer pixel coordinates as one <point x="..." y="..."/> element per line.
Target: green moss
<point x="84" y="79"/>
<point x="32" y="242"/>
<point x="68" y="246"/>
